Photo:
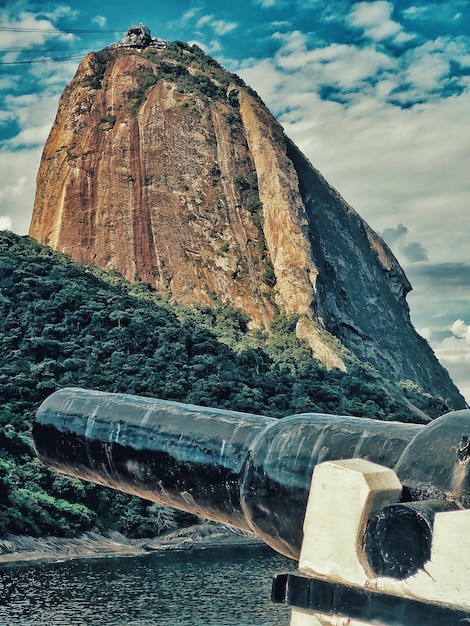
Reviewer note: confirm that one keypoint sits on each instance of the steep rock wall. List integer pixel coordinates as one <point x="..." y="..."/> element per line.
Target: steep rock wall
<point x="150" y="191"/>
<point x="191" y="185"/>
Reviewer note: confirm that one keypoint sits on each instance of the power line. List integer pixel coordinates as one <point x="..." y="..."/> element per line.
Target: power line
<point x="51" y="31"/>
<point x="41" y="51"/>
<point x="43" y="60"/>
<point x="60" y="32"/>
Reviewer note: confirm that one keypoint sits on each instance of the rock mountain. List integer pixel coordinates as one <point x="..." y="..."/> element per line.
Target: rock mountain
<point x="163" y="166"/>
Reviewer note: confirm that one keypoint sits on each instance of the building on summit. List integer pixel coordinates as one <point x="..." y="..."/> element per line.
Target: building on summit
<point x="140" y="37"/>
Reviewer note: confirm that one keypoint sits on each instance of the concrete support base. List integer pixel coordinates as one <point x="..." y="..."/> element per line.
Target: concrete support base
<point x="343" y="495"/>
<point x="306" y="618"/>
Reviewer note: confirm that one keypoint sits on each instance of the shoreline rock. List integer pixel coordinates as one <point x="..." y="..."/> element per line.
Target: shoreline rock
<point x="22" y="549"/>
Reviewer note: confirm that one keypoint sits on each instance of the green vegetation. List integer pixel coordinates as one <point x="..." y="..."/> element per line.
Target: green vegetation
<point x="188" y="67"/>
<point x="63" y="324"/>
<point x="193" y="71"/>
<point x="201" y="64"/>
<point x="98" y="67"/>
<point x="248" y="191"/>
<point x="147" y="80"/>
<point x="108" y="120"/>
<point x="173" y="65"/>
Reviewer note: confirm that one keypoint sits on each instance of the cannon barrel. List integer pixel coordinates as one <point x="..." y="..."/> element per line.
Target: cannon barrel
<point x="249" y="471"/>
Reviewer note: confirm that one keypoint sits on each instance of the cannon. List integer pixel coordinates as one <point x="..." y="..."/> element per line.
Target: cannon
<point x="258" y="473"/>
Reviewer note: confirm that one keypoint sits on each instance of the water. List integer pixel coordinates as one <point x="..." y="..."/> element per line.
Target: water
<point x="212" y="587"/>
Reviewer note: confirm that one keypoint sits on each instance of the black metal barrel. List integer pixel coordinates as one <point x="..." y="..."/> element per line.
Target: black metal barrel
<point x="187" y="457"/>
<point x="250" y="471"/>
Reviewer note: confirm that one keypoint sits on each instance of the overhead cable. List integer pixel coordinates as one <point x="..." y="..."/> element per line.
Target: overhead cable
<point x="59" y="32"/>
<point x="42" y="60"/>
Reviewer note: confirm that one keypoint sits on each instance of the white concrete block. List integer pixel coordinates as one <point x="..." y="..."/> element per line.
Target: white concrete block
<point x="342" y="496"/>
<point x="308" y="618"/>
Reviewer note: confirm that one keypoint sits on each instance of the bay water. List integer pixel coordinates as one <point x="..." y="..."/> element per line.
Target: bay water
<point x="227" y="586"/>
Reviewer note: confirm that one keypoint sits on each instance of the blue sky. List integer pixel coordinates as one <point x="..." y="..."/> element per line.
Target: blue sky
<point x="375" y="93"/>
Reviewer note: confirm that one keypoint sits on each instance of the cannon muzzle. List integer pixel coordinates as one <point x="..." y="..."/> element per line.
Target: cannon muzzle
<point x="249" y="471"/>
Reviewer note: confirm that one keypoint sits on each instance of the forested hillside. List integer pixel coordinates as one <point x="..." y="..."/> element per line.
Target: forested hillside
<point x="63" y="324"/>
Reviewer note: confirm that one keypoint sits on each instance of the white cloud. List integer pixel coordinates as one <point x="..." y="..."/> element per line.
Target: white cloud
<point x="30" y="137"/>
<point x="436" y="12"/>
<point x="220" y="27"/>
<point x="413" y="12"/>
<point x="100" y="20"/>
<point x="53" y="75"/>
<point x="393" y="164"/>
<point x="15" y="189"/>
<point x="202" y="21"/>
<point x="269" y="4"/>
<point x="426" y="73"/>
<point x="454" y="353"/>
<point x="425" y="333"/>
<point x="421" y="73"/>
<point x="5" y="222"/>
<point x="18" y="172"/>
<point x="453" y="350"/>
<point x="62" y="11"/>
<point x="213" y="47"/>
<point x="41" y="30"/>
<point x="6" y="116"/>
<point x="376" y="21"/>
<point x="34" y="114"/>
<point x="426" y="69"/>
<point x="189" y="15"/>
<point x="461" y="330"/>
<point x="29" y="104"/>
<point x="344" y="66"/>
<point x="186" y="18"/>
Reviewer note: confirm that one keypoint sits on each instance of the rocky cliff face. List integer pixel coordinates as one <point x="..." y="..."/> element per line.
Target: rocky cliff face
<point x="164" y="167"/>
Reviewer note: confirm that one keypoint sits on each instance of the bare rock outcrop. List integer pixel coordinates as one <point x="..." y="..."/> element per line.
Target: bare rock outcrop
<point x="166" y="168"/>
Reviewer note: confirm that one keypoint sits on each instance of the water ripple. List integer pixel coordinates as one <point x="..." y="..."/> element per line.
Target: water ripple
<point x="213" y="587"/>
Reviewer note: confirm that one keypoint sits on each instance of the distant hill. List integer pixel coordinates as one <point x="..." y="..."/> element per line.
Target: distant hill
<point x="64" y="324"/>
<point x="163" y="166"/>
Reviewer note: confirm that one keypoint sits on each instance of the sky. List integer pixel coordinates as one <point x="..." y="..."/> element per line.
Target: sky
<point x="375" y="93"/>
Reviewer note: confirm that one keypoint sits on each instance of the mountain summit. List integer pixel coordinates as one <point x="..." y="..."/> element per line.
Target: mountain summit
<point x="163" y="166"/>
